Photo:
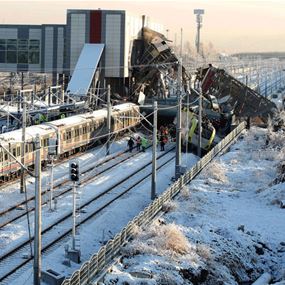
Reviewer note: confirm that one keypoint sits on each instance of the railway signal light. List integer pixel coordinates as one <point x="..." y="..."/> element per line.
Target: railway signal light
<point x="74" y="171"/>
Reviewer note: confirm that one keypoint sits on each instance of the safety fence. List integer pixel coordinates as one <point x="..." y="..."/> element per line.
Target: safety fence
<point x="92" y="268"/>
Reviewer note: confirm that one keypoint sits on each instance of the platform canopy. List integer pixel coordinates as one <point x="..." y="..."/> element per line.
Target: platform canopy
<point x="85" y="69"/>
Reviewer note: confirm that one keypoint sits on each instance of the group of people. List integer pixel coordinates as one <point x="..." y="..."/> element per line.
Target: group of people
<point x="140" y="142"/>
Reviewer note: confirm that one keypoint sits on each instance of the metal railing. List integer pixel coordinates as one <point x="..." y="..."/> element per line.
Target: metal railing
<point x="91" y="269"/>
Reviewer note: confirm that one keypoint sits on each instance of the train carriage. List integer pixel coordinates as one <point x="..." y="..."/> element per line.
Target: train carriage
<point x="72" y="134"/>
<point x="124" y="116"/>
<point x="12" y="142"/>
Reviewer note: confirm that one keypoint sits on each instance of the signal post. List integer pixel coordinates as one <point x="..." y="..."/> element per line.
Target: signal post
<point x="74" y="174"/>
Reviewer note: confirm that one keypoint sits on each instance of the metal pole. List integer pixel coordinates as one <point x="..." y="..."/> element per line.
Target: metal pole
<point x="108" y="119"/>
<point x="74" y="215"/>
<point x="181" y="42"/>
<point x="38" y="202"/>
<point x="8" y="118"/>
<point x="200" y="122"/>
<point x="22" y="80"/>
<point x="49" y="96"/>
<point x="178" y="123"/>
<point x="34" y="93"/>
<point x="18" y="107"/>
<point x="51" y="186"/>
<point x="154" y="145"/>
<point x="24" y="121"/>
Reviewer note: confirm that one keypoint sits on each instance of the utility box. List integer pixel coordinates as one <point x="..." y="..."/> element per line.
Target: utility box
<point x="52" y="277"/>
<point x="183" y="169"/>
<point x="73" y="255"/>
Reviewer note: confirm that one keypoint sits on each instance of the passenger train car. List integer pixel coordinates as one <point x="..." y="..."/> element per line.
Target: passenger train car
<point x="71" y="134"/>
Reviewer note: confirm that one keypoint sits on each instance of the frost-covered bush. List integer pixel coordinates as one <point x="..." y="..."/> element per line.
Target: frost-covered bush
<point x="216" y="171"/>
<point x="174" y="239"/>
<point x="169" y="206"/>
<point x="204" y="251"/>
<point x="159" y="239"/>
<point x="185" y="193"/>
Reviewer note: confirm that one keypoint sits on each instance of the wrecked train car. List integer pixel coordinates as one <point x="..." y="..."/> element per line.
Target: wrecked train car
<point x="244" y="101"/>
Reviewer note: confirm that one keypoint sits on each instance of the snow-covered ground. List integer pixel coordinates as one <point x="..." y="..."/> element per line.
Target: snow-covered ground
<point x="225" y="228"/>
<point x="97" y="231"/>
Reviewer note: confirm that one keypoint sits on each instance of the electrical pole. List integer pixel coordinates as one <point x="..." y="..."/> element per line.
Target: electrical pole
<point x="22" y="80"/>
<point x="24" y="121"/>
<point x="51" y="185"/>
<point x="38" y="218"/>
<point x="109" y="110"/>
<point x="181" y="42"/>
<point x="200" y="122"/>
<point x="178" y="123"/>
<point x="154" y="145"/>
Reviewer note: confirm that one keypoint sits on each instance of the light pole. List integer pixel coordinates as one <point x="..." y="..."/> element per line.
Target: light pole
<point x="178" y="123"/>
<point x="24" y="124"/>
<point x="109" y="110"/>
<point x="154" y="143"/>
<point x="198" y="13"/>
<point x="38" y="214"/>
<point x="24" y="120"/>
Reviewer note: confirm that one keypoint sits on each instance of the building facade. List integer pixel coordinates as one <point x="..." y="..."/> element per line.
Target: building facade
<point x="56" y="48"/>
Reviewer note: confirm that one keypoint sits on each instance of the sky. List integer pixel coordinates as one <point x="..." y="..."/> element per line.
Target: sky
<point x="230" y="25"/>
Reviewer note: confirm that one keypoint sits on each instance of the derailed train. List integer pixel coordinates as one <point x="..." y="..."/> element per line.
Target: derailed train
<point x="189" y="131"/>
<point x="71" y="134"/>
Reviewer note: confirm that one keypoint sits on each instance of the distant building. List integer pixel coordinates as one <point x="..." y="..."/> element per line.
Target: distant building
<point x="56" y="48"/>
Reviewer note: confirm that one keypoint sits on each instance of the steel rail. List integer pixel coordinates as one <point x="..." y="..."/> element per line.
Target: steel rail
<point x="45" y="247"/>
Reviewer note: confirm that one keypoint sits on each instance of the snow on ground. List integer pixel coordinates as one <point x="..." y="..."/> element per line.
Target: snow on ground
<point x="225" y="228"/>
<point x="9" y="195"/>
<point x="103" y="227"/>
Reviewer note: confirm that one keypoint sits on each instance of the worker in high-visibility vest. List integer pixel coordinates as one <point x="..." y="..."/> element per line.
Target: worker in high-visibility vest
<point x="144" y="144"/>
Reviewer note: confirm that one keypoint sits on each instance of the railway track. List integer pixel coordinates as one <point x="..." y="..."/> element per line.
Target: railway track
<point x="14" y="258"/>
<point x="16" y="179"/>
<point x="12" y="214"/>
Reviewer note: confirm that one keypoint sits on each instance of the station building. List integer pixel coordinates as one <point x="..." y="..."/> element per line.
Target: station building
<point x="56" y="48"/>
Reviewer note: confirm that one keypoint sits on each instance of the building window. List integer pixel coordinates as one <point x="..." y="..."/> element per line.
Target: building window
<point x="2" y="51"/>
<point x="34" y="57"/>
<point x="19" y="51"/>
<point x="11" y="56"/>
<point x="12" y="45"/>
<point x="22" y="56"/>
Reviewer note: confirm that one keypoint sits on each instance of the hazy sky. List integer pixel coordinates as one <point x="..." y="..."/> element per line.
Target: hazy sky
<point x="231" y="25"/>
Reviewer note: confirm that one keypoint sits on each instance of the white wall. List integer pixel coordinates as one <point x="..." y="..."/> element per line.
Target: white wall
<point x="133" y="29"/>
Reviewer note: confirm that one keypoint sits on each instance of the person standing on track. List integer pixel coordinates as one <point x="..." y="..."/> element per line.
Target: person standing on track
<point x="139" y="142"/>
<point x="131" y="144"/>
<point x="161" y="143"/>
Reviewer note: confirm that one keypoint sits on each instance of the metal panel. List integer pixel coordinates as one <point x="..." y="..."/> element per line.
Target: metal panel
<point x="49" y="49"/>
<point x="77" y="37"/>
<point x="113" y="45"/>
<point x="60" y="49"/>
<point x="35" y="34"/>
<point x="85" y="69"/>
<point x="95" y="26"/>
